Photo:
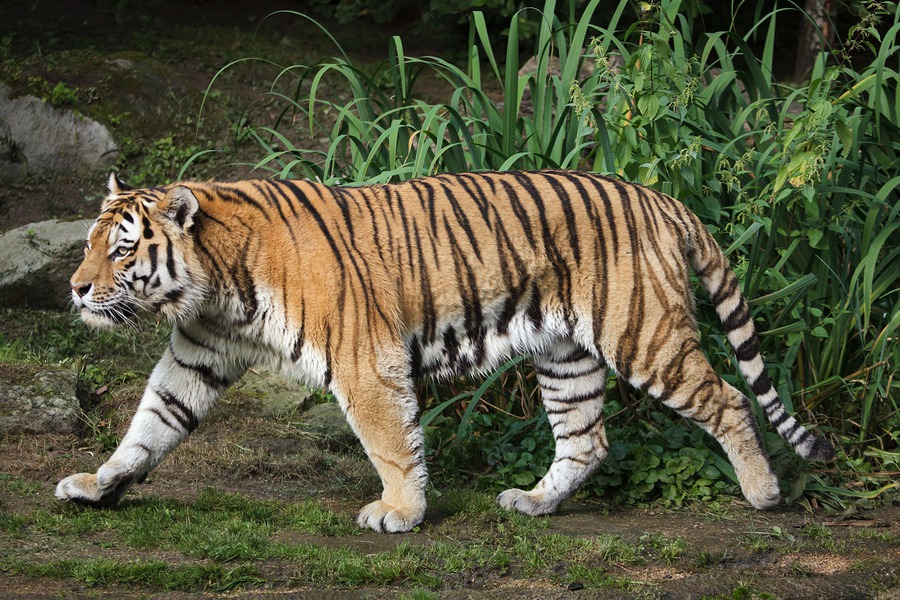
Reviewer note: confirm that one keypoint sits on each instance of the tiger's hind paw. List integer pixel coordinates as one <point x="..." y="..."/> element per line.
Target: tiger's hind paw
<point x="763" y="496"/>
<point x="529" y="503"/>
<point x="384" y="518"/>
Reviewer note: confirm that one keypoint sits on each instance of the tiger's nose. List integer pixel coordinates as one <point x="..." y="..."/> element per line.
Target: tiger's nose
<point x="81" y="289"/>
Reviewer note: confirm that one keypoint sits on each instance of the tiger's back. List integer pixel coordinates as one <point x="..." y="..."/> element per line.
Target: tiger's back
<point x="361" y="289"/>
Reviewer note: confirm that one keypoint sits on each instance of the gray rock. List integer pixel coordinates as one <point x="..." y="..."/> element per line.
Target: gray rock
<point x="277" y="395"/>
<point x="328" y="421"/>
<point x="36" y="138"/>
<point x="36" y="262"/>
<point x="38" y="400"/>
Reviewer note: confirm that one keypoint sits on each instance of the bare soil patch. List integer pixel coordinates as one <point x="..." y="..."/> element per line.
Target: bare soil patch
<point x="718" y="552"/>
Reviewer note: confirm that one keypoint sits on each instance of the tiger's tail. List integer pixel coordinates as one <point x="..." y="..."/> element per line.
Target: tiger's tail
<point x="711" y="266"/>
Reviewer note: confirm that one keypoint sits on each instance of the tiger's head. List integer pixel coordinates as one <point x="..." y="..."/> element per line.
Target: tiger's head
<point x="140" y="255"/>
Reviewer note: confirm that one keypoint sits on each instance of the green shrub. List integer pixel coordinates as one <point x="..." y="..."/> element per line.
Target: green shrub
<point x="797" y="182"/>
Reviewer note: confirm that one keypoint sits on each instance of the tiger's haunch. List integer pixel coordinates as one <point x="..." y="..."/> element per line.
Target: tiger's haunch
<point x="359" y="290"/>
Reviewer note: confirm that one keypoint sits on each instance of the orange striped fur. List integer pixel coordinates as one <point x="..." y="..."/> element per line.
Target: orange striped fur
<point x="361" y="289"/>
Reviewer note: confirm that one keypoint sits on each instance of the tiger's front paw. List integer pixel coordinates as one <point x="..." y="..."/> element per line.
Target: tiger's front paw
<point x="88" y="489"/>
<point x="382" y="517"/>
<point x="530" y="503"/>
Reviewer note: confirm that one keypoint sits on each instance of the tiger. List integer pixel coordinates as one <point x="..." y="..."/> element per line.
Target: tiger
<point x="363" y="290"/>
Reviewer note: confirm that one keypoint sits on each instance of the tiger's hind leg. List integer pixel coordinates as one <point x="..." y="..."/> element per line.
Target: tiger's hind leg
<point x="679" y="374"/>
<point x="380" y="405"/>
<point x="572" y="382"/>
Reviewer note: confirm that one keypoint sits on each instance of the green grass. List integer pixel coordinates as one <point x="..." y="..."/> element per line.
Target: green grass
<point x="152" y="573"/>
<point x="11" y="484"/>
<point x="219" y="541"/>
<point x="741" y="592"/>
<point x="662" y="548"/>
<point x="873" y="534"/>
<point x="813" y="537"/>
<point x="215" y="525"/>
<point x="53" y="337"/>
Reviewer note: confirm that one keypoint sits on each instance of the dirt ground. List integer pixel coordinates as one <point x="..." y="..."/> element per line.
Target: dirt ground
<point x="719" y="561"/>
<point x="725" y="551"/>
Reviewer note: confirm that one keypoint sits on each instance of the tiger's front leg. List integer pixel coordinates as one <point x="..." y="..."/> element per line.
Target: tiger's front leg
<point x="185" y="384"/>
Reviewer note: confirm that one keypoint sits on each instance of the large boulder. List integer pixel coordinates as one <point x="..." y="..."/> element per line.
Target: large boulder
<point x="37" y="139"/>
<point x="38" y="400"/>
<point x="276" y="394"/>
<point x="36" y="262"/>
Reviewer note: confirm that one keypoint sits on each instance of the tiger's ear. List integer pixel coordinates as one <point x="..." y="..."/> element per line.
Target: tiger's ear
<point x="116" y="185"/>
<point x="180" y="205"/>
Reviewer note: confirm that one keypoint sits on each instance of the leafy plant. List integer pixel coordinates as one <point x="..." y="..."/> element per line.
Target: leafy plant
<point x="797" y="182"/>
<point x="62" y="95"/>
<point x="163" y="161"/>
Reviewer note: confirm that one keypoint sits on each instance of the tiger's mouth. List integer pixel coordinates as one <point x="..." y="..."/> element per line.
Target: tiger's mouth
<point x="108" y="315"/>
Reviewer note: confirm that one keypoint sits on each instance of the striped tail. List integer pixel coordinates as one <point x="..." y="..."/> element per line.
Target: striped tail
<point x="723" y="288"/>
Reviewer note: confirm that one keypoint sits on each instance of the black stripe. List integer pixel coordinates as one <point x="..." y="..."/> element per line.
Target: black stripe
<point x="704" y="271"/>
<point x="328" y="372"/>
<point x="268" y="192"/>
<point x="415" y="357"/>
<point x="547" y="371"/>
<point x="477" y="195"/>
<point x="726" y="290"/>
<point x="230" y="193"/>
<point x="575" y="354"/>
<point x="609" y="225"/>
<point x="565" y="201"/>
<point x="790" y="432"/>
<point x="467" y="284"/>
<point x="298" y="345"/>
<point x="307" y="205"/>
<point x="739" y="317"/>
<point x="519" y="211"/>
<point x="748" y="350"/>
<point x="367" y="193"/>
<point x="555" y="256"/>
<point x="364" y="278"/>
<point x="164" y="419"/>
<point x="429" y="314"/>
<point x="780" y="419"/>
<point x="581" y="431"/>
<point x="561" y="411"/>
<point x="533" y="312"/>
<point x="762" y="385"/>
<point x="170" y="259"/>
<point x="342" y="197"/>
<point x="152" y="251"/>
<point x="804" y="437"/>
<point x="187" y="419"/>
<point x="463" y="220"/>
<point x="451" y="348"/>
<point x="205" y="372"/>
<point x="630" y="343"/>
<point x="572" y="459"/>
<point x="691" y="401"/>
<point x="244" y="281"/>
<point x="172" y="295"/>
<point x="595" y="395"/>
<point x="194" y="341"/>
